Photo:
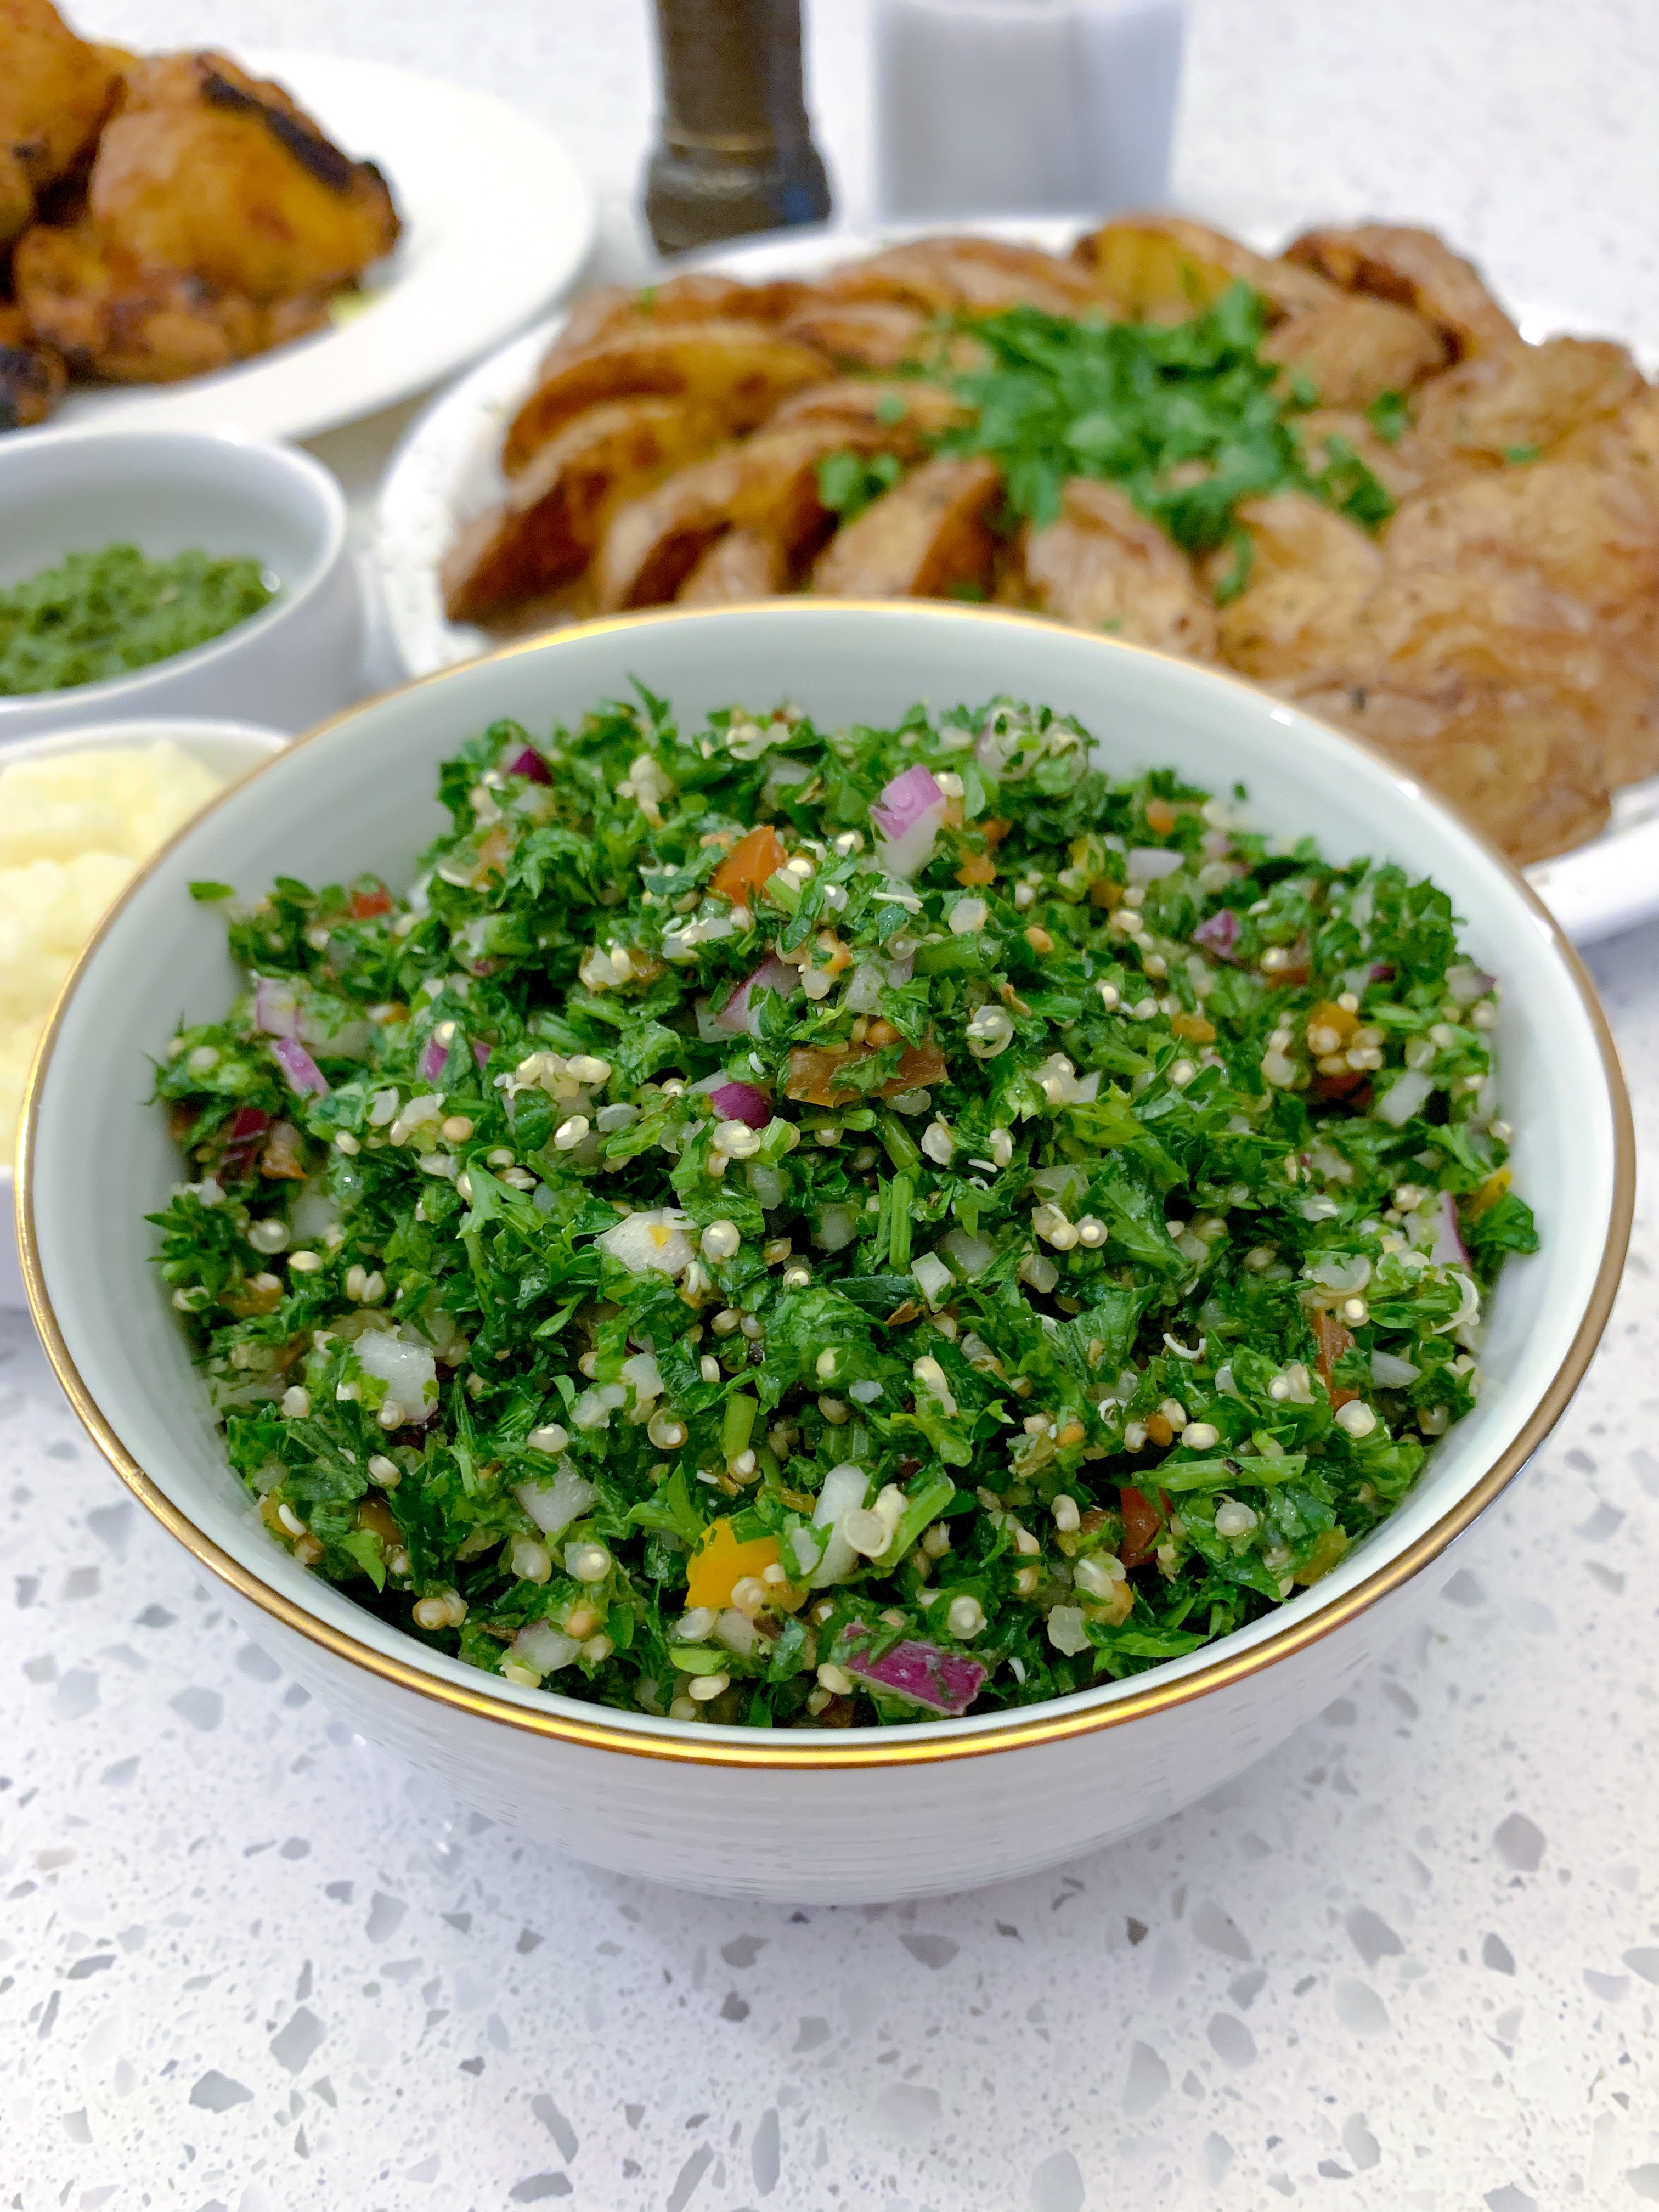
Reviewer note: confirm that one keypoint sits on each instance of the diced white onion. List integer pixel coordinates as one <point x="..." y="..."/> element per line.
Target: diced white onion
<point x="540" y="1645"/>
<point x="933" y="1279"/>
<point x="553" y="1506"/>
<point x="1403" y="1098"/>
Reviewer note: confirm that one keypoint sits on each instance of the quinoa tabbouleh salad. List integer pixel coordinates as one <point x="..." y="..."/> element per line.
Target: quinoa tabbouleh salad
<point x="806" y="1228"/>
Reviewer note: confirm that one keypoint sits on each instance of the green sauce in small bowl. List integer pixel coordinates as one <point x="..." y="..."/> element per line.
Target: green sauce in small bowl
<point x="99" y="615"/>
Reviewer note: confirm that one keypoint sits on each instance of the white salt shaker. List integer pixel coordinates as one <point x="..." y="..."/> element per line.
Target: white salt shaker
<point x="1024" y="106"/>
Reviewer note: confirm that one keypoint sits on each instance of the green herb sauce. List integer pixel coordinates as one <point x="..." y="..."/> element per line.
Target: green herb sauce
<point x="1133" y="1264"/>
<point x="98" y="616"/>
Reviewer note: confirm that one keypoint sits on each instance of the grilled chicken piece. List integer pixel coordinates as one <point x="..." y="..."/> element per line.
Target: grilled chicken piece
<point x="1419" y="269"/>
<point x="111" y="318"/>
<point x="1351" y="348"/>
<point x="55" y="90"/>
<point x="1102" y="565"/>
<point x="924" y="539"/>
<point x="742" y="565"/>
<point x="32" y="373"/>
<point x="546" y="530"/>
<point x="769" y="484"/>
<point x="741" y="369"/>
<point x="218" y="175"/>
<point x="964" y="276"/>
<point x="1162" y="269"/>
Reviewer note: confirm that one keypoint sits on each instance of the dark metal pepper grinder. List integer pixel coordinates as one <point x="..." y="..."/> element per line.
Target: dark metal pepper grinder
<point x="735" y="152"/>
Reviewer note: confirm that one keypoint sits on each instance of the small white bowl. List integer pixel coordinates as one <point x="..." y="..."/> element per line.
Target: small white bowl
<point x="173" y="491"/>
<point x="230" y="749"/>
<point x="875" y="1813"/>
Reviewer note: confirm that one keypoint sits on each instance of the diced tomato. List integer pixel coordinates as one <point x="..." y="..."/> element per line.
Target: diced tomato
<point x="720" y="1561"/>
<point x="750" y="865"/>
<point x="1333" y="1340"/>
<point x="243" y="1140"/>
<point x="1161" y="816"/>
<point x="977" y="868"/>
<point x="1142" y="1526"/>
<point x="283" y="1155"/>
<point x="1194" y="1028"/>
<point x="814" y="1072"/>
<point x="365" y="905"/>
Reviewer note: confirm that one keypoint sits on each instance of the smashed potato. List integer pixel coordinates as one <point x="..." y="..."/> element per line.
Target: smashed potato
<point x="928" y="538"/>
<point x="1419" y="271"/>
<point x="1102" y="565"/>
<point x="1350" y="349"/>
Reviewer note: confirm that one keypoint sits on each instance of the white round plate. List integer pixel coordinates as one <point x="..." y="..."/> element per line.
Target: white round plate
<point x="447" y="470"/>
<point x="497" y="222"/>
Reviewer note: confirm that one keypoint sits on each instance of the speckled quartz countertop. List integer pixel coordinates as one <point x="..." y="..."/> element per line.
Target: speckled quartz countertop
<point x="248" y="1964"/>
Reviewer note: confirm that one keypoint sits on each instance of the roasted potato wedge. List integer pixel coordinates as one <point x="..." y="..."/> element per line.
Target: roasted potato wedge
<point x="744" y="564"/>
<point x="1311" y="572"/>
<point x="769" y="484"/>
<point x="1517" y="403"/>
<point x="1104" y="566"/>
<point x="1161" y="269"/>
<point x="1397" y="476"/>
<point x="546" y="530"/>
<point x="903" y="413"/>
<point x="1627" y="444"/>
<point x="1529" y="774"/>
<point x="32" y="373"/>
<point x="698" y="296"/>
<point x="924" y="539"/>
<point x="1351" y="348"/>
<point x="739" y="370"/>
<point x="963" y="275"/>
<point x="1418" y="269"/>
<point x="1582" y="530"/>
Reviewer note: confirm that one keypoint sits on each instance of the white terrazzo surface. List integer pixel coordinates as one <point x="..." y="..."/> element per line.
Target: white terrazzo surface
<point x="248" y="1965"/>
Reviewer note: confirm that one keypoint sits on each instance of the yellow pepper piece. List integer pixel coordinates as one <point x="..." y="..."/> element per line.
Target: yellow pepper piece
<point x="1488" y="1194"/>
<point x="721" y="1563"/>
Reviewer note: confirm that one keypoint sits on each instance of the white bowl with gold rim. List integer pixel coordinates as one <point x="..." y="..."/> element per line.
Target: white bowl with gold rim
<point x="883" y="1813"/>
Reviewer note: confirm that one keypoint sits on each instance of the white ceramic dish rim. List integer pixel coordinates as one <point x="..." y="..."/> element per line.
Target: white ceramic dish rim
<point x="180" y="730"/>
<point x="353" y="369"/>
<point x="1299" y="1623"/>
<point x="304" y="468"/>
<point x="1594" y="891"/>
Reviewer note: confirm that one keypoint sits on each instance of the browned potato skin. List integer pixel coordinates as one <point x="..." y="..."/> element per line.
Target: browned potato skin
<point x="1351" y="348"/>
<point x="1419" y="269"/>
<point x="742" y="369"/>
<point x="545" y="533"/>
<point x="698" y="296"/>
<point x="208" y="173"/>
<point x="919" y="540"/>
<point x="1399" y="477"/>
<point x="33" y="374"/>
<point x="55" y="90"/>
<point x="1102" y="565"/>
<point x="110" y="317"/>
<point x="1523" y="400"/>
<point x="1626" y="444"/>
<point x="767" y="484"/>
<point x="904" y="413"/>
<point x="1162" y="268"/>
<point x="1311" y="572"/>
<point x="963" y="275"/>
<point x="744" y="564"/>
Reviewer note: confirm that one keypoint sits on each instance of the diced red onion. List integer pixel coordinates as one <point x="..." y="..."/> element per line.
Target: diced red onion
<point x="529" y="764"/>
<point x="244" y="1138"/>
<point x="434" y="1056"/>
<point x="1219" y="934"/>
<point x="736" y="1016"/>
<point x="906" y="818"/>
<point x="481" y="1052"/>
<point x="1467" y="984"/>
<point x="301" y="1070"/>
<point x="1382" y="971"/>
<point x="275" y="1011"/>
<point x="740" y="1101"/>
<point x="1146" y="863"/>
<point x="921" y="1674"/>
<point x="1449" y="1248"/>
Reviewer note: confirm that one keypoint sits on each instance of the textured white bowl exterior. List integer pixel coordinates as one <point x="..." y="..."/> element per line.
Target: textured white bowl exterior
<point x="170" y="492"/>
<point x="878" y="1814"/>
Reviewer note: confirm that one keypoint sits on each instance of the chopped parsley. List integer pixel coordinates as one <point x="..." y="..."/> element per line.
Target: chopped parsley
<point x="801" y="1227"/>
<point x="1187" y="417"/>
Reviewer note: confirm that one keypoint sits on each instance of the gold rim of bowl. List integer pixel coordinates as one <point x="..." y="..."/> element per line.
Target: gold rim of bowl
<point x="925" y="1742"/>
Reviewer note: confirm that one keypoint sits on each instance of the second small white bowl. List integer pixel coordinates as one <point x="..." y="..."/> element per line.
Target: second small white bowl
<point x="173" y="491"/>
<point x="230" y="750"/>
